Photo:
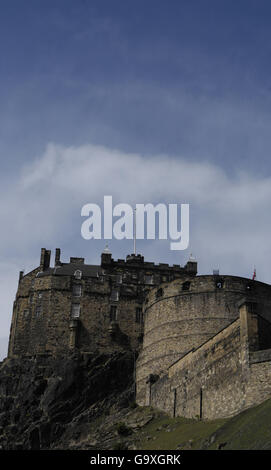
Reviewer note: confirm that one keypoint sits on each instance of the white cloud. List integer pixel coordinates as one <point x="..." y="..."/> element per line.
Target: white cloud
<point x="230" y="221"/>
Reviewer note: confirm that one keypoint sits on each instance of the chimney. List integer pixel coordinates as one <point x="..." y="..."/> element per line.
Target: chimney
<point x="45" y="256"/>
<point x="57" y="257"/>
<point x="21" y="276"/>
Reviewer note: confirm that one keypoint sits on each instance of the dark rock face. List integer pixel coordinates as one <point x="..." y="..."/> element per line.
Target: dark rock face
<point x="45" y="402"/>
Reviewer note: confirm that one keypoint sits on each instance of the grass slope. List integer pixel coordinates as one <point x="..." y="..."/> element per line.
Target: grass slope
<point x="250" y="429"/>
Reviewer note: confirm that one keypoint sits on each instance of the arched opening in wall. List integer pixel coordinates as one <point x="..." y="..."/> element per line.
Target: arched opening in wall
<point x="219" y="283"/>
<point x="186" y="286"/>
<point x="159" y="293"/>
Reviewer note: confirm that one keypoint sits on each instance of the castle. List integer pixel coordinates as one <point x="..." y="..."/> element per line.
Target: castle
<point x="203" y="342"/>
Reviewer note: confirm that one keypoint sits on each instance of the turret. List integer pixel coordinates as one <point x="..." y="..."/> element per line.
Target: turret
<point x="106" y="257"/>
<point x="191" y="266"/>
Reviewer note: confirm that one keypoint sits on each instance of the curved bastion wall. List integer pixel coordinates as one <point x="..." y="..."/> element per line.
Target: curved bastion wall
<point x="185" y="313"/>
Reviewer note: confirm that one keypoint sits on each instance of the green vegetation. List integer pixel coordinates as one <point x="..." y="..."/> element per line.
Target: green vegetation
<point x="133" y="405"/>
<point x="250" y="429"/>
<point x="165" y="433"/>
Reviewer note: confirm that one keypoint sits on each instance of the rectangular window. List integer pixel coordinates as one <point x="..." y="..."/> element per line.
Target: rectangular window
<point x="77" y="290"/>
<point x="148" y="279"/>
<point x="75" y="311"/>
<point x="139" y="315"/>
<point x="113" y="313"/>
<point x="115" y="295"/>
<point x="38" y="311"/>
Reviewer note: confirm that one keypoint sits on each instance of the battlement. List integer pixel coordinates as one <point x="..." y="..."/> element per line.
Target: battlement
<point x="133" y="263"/>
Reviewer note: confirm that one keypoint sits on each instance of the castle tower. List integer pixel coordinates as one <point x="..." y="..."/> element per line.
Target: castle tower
<point x="183" y="314"/>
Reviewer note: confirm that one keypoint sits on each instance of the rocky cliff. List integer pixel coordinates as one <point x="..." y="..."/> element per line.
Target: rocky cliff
<point x="87" y="402"/>
<point x="53" y="402"/>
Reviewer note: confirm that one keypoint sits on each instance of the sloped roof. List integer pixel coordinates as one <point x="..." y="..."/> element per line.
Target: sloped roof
<point x="68" y="269"/>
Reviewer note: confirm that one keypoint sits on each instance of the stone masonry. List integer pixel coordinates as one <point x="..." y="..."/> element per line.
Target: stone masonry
<point x="85" y="307"/>
<point x="222" y="376"/>
<point x="203" y="342"/>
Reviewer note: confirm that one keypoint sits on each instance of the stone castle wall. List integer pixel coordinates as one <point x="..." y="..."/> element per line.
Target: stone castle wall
<point x="184" y="314"/>
<point x="222" y="377"/>
<point x="49" y="330"/>
<point x="202" y="354"/>
<point x="109" y="297"/>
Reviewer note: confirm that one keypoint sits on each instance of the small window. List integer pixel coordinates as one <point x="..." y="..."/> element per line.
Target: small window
<point x="77" y="290"/>
<point x="148" y="279"/>
<point x="140" y="338"/>
<point x="113" y="313"/>
<point x="114" y="295"/>
<point x="186" y="285"/>
<point x="31" y="297"/>
<point x="219" y="284"/>
<point x="78" y="274"/>
<point x="75" y="311"/>
<point x="119" y="278"/>
<point x="26" y="312"/>
<point x="159" y="293"/>
<point x="139" y="317"/>
<point x="38" y="311"/>
<point x="40" y="295"/>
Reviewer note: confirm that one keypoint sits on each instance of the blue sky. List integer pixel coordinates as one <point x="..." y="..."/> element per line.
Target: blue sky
<point x="150" y="77"/>
<point x="175" y="95"/>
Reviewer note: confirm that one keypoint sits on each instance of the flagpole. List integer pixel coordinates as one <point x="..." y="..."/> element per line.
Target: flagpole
<point x="135" y="231"/>
<point x="254" y="273"/>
